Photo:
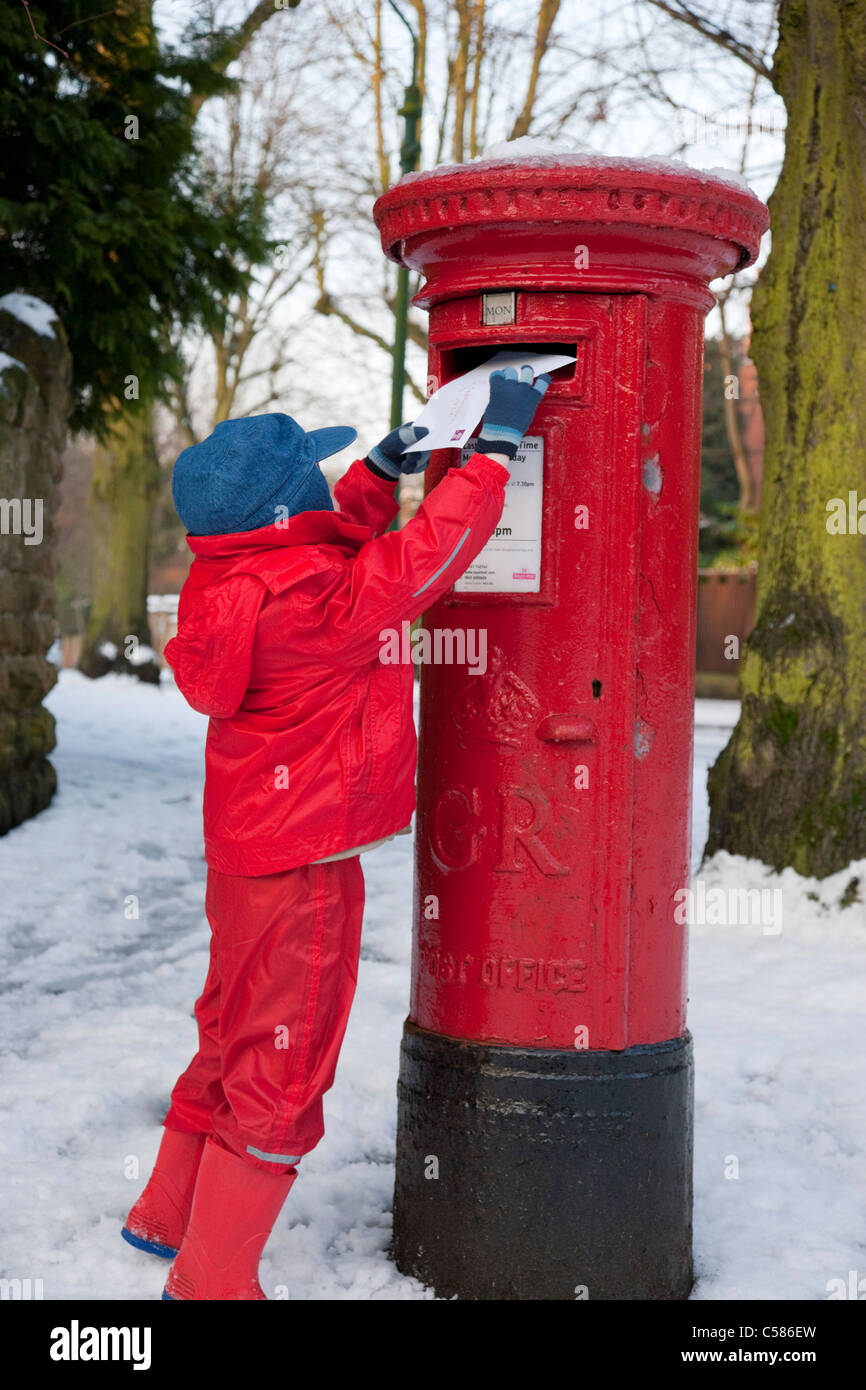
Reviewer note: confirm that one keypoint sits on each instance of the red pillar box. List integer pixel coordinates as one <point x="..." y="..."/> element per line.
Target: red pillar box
<point x="545" y="1096"/>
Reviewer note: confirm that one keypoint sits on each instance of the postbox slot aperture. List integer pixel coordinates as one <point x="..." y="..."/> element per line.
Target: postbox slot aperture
<point x="456" y="361"/>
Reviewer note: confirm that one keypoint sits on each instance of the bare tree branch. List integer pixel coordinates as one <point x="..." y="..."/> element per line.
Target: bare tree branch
<point x="547" y="12"/>
<point x="685" y="15"/>
<point x="236" y="42"/>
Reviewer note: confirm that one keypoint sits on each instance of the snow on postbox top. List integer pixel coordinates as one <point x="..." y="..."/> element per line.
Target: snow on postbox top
<point x="544" y="218"/>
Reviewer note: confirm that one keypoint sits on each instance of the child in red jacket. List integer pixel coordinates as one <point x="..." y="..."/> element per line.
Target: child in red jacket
<point x="310" y="760"/>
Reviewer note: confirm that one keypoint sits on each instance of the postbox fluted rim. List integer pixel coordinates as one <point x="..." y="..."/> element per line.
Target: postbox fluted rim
<point x="602" y="190"/>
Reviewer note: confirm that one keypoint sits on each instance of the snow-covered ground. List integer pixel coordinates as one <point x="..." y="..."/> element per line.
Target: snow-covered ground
<point x="104" y="943"/>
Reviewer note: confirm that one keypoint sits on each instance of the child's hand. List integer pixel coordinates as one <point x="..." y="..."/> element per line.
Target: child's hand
<point x="388" y="459"/>
<point x="513" y="402"/>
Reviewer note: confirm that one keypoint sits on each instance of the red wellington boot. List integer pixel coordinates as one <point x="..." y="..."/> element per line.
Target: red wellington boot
<point x="158" y="1220"/>
<point x="233" y="1211"/>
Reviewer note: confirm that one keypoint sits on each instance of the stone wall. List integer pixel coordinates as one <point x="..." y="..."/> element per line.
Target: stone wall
<point x="34" y="408"/>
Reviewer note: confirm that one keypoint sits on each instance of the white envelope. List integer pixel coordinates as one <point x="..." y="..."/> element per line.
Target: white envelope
<point x="452" y="413"/>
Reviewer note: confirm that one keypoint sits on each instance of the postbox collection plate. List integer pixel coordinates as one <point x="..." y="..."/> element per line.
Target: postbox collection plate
<point x="510" y="562"/>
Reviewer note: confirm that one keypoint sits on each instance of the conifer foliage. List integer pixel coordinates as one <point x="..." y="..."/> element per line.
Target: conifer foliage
<point x="103" y="210"/>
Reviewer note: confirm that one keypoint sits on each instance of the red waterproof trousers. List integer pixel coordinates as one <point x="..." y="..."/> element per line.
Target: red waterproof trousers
<point x="273" y="1012"/>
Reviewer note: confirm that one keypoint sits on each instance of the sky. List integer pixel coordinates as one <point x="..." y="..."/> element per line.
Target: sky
<point x="600" y="50"/>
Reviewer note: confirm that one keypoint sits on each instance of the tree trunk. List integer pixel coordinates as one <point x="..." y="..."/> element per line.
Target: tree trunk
<point x="35" y="402"/>
<point x="790" y="787"/>
<point x="477" y="68"/>
<point x="733" y="428"/>
<point x="461" y="74"/>
<point x="125" y="482"/>
<point x="547" y="12"/>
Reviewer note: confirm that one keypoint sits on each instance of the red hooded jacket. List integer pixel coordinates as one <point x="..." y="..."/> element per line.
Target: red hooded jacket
<point x="311" y="742"/>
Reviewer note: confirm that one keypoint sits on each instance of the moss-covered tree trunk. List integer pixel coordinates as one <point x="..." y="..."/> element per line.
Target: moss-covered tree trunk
<point x="35" y="402"/>
<point x="790" y="787"/>
<point x="125" y="483"/>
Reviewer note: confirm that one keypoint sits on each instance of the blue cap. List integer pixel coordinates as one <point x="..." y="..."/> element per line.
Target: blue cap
<point x="253" y="472"/>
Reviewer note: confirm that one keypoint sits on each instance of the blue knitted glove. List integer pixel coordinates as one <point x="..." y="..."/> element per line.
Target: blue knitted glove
<point x="513" y="402"/>
<point x="388" y="460"/>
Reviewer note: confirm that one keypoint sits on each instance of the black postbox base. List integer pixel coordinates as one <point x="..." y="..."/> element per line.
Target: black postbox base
<point x="525" y="1174"/>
